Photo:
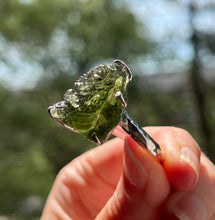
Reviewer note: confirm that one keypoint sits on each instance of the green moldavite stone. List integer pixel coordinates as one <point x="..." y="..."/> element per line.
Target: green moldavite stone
<point x="93" y="107"/>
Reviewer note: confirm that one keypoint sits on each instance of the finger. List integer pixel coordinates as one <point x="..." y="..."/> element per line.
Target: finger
<point x="181" y="156"/>
<point x="197" y="204"/>
<point x="139" y="194"/>
<point x="119" y="132"/>
<point x="84" y="185"/>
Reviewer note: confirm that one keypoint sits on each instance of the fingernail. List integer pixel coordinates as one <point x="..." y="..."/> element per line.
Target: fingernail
<point x="190" y="157"/>
<point x="190" y="207"/>
<point x="134" y="171"/>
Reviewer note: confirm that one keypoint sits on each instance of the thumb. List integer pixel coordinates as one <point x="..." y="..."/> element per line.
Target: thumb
<point x="135" y="197"/>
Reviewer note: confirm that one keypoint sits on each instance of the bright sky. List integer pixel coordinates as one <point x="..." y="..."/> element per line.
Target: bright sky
<point x="20" y="72"/>
<point x="167" y="22"/>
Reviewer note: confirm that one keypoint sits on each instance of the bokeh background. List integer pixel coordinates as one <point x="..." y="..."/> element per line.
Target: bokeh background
<point x="46" y="44"/>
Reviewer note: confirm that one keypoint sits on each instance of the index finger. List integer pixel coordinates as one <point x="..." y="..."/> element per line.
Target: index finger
<point x="181" y="156"/>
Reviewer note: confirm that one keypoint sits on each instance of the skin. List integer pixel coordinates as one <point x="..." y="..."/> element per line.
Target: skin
<point x="121" y="180"/>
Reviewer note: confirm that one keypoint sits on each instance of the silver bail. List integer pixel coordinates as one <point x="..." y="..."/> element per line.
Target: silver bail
<point x="138" y="134"/>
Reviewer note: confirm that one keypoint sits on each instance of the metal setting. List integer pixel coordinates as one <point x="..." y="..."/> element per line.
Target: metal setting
<point x="138" y="134"/>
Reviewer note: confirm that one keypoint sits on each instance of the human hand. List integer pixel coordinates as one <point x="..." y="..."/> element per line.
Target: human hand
<point x="121" y="180"/>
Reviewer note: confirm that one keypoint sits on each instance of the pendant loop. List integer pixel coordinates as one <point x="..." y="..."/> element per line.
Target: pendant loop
<point x="138" y="134"/>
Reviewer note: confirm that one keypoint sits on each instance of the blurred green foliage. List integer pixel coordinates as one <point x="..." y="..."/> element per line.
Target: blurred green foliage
<point x="66" y="38"/>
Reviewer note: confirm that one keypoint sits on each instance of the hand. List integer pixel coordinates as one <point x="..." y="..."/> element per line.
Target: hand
<point x="121" y="180"/>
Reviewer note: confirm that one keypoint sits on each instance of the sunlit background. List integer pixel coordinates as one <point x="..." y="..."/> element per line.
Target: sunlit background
<point x="46" y="44"/>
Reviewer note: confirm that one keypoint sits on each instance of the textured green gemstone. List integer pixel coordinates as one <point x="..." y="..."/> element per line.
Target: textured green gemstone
<point x="93" y="107"/>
